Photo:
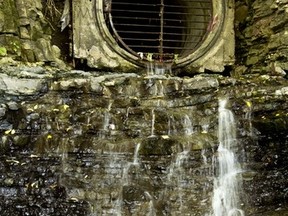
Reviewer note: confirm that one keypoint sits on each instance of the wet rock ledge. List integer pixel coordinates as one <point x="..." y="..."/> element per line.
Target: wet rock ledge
<point x="69" y="140"/>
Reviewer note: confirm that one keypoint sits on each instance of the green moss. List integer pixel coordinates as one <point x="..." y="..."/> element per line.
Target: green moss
<point x="3" y="51"/>
<point x="10" y="16"/>
<point x="13" y="45"/>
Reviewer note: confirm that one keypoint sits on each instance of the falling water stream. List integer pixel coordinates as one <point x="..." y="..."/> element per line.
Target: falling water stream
<point x="225" y="200"/>
<point x="152" y="123"/>
<point x="158" y="69"/>
<point x="187" y="124"/>
<point x="176" y="175"/>
<point x="151" y="208"/>
<point x="117" y="209"/>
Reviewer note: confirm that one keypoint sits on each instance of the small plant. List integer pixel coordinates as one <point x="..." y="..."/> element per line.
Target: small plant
<point x="14" y="47"/>
<point x="3" y="51"/>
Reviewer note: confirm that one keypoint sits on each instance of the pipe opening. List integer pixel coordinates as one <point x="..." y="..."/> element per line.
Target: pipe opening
<point x="158" y="30"/>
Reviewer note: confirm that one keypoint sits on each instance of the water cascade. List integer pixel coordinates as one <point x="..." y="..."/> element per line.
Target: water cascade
<point x="136" y="152"/>
<point x="248" y="117"/>
<point x="172" y="126"/>
<point x="204" y="157"/>
<point x="158" y="69"/>
<point x="187" y="125"/>
<point x="124" y="181"/>
<point x="106" y="121"/>
<point x="176" y="177"/>
<point x="151" y="208"/>
<point x="152" y="123"/>
<point x="226" y="184"/>
<point x="159" y="89"/>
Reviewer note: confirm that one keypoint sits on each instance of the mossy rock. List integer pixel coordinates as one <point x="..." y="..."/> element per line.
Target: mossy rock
<point x="157" y="145"/>
<point x="13" y="45"/>
<point x="3" y="51"/>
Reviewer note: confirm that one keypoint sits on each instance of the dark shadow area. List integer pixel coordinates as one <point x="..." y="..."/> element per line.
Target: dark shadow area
<point x="62" y="39"/>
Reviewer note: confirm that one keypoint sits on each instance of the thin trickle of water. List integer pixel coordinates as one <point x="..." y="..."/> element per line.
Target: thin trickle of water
<point x="176" y="176"/>
<point x="62" y="150"/>
<point x="117" y="209"/>
<point x="125" y="175"/>
<point x="159" y="89"/>
<point x="151" y="208"/>
<point x="248" y="117"/>
<point x="107" y="116"/>
<point x="227" y="184"/>
<point x="158" y="69"/>
<point x="171" y="126"/>
<point x="152" y="123"/>
<point x="115" y="168"/>
<point x="205" y="128"/>
<point x="156" y="87"/>
<point x="106" y="120"/>
<point x="125" y="180"/>
<point x="176" y="168"/>
<point x="107" y="125"/>
<point x="136" y="153"/>
<point x="203" y="154"/>
<point x="127" y="112"/>
<point x="187" y="125"/>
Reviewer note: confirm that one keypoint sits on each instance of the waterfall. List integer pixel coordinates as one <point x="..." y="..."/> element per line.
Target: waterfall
<point x="171" y="126"/>
<point x="151" y="208"/>
<point x="136" y="152"/>
<point x="106" y="122"/>
<point x="176" y="176"/>
<point x="158" y="69"/>
<point x="248" y="117"/>
<point x="226" y="185"/>
<point x="187" y="125"/>
<point x="152" y="123"/>
<point x="117" y="205"/>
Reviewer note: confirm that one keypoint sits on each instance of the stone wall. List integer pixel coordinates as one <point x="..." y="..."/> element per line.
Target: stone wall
<point x="31" y="32"/>
<point x="25" y="33"/>
<point x="261" y="34"/>
<point x="74" y="136"/>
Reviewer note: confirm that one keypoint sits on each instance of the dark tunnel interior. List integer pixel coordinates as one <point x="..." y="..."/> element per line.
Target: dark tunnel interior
<point x="163" y="29"/>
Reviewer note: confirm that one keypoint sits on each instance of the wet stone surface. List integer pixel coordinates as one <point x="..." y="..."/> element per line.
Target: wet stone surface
<point x="102" y="144"/>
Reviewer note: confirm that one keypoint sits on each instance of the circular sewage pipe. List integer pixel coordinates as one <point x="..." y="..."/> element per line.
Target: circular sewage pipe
<point x="175" y="32"/>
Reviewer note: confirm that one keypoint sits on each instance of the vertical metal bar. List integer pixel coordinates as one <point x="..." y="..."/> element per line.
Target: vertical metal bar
<point x="161" y="30"/>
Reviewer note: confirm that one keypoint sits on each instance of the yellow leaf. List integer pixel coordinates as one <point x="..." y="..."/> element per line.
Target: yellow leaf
<point x="33" y="156"/>
<point x="8" y="131"/>
<point x="49" y="136"/>
<point x="69" y="128"/>
<point x="65" y="106"/>
<point x="248" y="103"/>
<point x="165" y="136"/>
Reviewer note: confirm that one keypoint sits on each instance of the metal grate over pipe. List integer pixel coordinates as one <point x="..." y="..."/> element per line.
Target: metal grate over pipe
<point x="159" y="30"/>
